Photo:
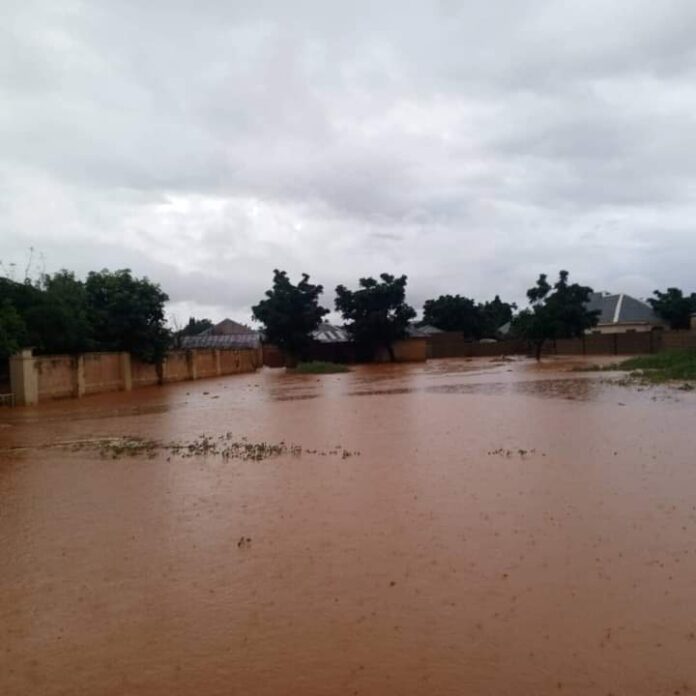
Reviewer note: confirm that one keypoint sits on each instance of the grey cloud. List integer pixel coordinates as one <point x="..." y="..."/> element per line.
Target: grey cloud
<point x="469" y="144"/>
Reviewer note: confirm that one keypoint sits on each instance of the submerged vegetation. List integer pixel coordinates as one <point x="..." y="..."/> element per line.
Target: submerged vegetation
<point x="319" y="367"/>
<point x="224" y="446"/>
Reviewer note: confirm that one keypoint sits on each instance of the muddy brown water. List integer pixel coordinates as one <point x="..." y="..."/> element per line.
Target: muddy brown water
<point x="440" y="560"/>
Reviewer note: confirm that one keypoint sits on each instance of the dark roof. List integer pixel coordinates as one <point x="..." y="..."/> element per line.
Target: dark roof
<point x="621" y="308"/>
<point x="205" y="340"/>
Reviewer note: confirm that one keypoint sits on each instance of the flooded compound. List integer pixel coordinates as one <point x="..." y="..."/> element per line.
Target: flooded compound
<point x="456" y="527"/>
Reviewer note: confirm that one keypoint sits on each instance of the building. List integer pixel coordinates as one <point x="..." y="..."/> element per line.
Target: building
<point x="621" y="313"/>
<point x="226" y="334"/>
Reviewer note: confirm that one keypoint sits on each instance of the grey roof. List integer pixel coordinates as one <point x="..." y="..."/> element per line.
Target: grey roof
<point x="422" y="331"/>
<point x="206" y="340"/>
<point x="621" y="308"/>
<point x="328" y="333"/>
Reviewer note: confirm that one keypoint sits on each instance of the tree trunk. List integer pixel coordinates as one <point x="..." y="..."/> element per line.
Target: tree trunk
<point x="390" y="350"/>
<point x="539" y="346"/>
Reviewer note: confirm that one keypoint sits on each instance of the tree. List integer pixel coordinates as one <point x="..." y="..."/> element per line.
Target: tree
<point x="58" y="321"/>
<point x="474" y="321"/>
<point x="674" y="307"/>
<point x="195" y="326"/>
<point x="127" y="314"/>
<point x="12" y="330"/>
<point x="495" y="314"/>
<point x="454" y="313"/>
<point x="556" y="312"/>
<point x="377" y="313"/>
<point x="289" y="314"/>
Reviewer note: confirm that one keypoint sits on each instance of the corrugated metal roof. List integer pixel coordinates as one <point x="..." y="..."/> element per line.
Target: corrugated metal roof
<point x="621" y="308"/>
<point x="239" y="341"/>
<point x="422" y="331"/>
<point x="328" y="333"/>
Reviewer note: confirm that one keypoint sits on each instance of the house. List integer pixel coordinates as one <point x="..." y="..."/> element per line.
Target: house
<point x="618" y="313"/>
<point x="227" y="334"/>
<point x="621" y="313"/>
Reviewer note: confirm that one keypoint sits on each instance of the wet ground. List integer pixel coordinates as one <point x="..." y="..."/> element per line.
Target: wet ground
<point x="496" y="528"/>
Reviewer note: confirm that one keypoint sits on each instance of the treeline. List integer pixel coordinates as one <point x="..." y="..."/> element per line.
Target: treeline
<point x="376" y="313"/>
<point x="108" y="311"/>
<point x="115" y="311"/>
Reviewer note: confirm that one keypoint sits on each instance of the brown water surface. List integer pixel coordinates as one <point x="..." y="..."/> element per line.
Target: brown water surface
<point x="505" y="529"/>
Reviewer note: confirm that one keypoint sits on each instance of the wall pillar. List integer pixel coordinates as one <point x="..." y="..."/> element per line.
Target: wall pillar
<point x="79" y="376"/>
<point x="218" y="369"/>
<point x="23" y="378"/>
<point x="126" y="372"/>
<point x="192" y="367"/>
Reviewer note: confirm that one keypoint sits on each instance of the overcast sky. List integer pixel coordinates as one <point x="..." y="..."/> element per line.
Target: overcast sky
<point x="470" y="145"/>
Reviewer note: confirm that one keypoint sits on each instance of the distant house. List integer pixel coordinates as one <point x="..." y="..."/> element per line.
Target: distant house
<point x="618" y="313"/>
<point x="330" y="333"/>
<point x="422" y="330"/>
<point x="226" y="334"/>
<point x="621" y="313"/>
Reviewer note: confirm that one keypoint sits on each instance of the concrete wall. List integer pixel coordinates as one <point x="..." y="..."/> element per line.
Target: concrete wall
<point x="56" y="376"/>
<point x="39" y="378"/>
<point x="678" y="340"/>
<point x="451" y="344"/>
<point x="102" y="372"/>
<point x="408" y="350"/>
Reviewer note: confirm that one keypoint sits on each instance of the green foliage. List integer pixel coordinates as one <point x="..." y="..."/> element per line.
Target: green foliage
<point x="109" y="311"/>
<point x="474" y="321"/>
<point x="127" y="314"/>
<point x="673" y="307"/>
<point x="494" y="314"/>
<point x="59" y="321"/>
<point x="12" y="330"/>
<point x="318" y="367"/>
<point x="195" y="326"/>
<point x="558" y="311"/>
<point x="290" y="313"/>
<point x="376" y="313"/>
<point x="454" y="313"/>
<point x="669" y="365"/>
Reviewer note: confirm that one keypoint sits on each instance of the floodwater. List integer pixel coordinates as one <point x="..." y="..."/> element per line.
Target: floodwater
<point x="496" y="528"/>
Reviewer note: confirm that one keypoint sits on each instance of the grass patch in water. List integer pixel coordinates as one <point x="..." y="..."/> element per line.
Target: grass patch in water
<point x="319" y="367"/>
<point x="663" y="367"/>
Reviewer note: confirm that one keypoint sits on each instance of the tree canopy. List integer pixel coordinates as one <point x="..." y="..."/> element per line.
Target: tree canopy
<point x="109" y="311"/>
<point x="376" y="313"/>
<point x="290" y="313"/>
<point x="127" y="314"/>
<point x="195" y="326"/>
<point x="12" y="330"/>
<point x="674" y="307"/>
<point x="558" y="311"/>
<point x="474" y="321"/>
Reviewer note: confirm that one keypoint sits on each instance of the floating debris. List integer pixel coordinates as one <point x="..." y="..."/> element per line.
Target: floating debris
<point x="225" y="446"/>
<point x="502" y="452"/>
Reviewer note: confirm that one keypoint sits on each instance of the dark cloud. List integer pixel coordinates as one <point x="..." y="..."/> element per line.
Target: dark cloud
<point x="470" y="145"/>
